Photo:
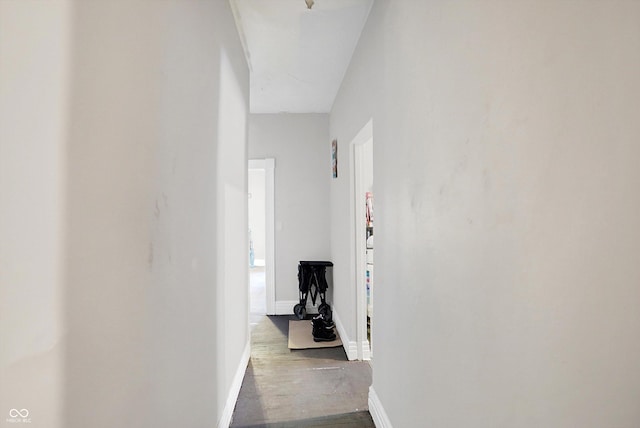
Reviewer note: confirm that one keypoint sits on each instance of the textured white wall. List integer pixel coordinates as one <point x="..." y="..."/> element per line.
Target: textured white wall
<point x="302" y="150"/>
<point x="507" y="232"/>
<point x="124" y="128"/>
<point x="34" y="50"/>
<point x="157" y="213"/>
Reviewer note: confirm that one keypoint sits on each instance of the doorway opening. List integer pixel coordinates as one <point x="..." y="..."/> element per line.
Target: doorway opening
<point x="261" y="203"/>
<point x="362" y="196"/>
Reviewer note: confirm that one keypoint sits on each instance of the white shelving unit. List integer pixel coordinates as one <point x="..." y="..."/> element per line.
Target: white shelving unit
<point x="369" y="262"/>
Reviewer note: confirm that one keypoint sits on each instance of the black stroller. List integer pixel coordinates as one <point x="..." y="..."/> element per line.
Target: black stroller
<point x="311" y="279"/>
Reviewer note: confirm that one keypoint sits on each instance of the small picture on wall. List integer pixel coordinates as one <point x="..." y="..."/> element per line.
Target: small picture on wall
<point x="334" y="158"/>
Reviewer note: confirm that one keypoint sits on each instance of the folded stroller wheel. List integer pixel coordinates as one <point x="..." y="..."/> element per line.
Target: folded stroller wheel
<point x="299" y="311"/>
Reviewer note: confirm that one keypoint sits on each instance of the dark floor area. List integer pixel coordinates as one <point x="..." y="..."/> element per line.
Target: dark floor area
<point x="300" y="388"/>
<point x="350" y="420"/>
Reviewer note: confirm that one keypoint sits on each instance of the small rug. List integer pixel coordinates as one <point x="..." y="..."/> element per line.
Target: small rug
<point x="301" y="336"/>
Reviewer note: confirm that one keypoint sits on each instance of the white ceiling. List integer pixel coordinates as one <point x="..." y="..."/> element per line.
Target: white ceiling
<point x="297" y="57"/>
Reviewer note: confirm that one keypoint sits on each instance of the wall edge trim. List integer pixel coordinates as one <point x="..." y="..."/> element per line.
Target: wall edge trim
<point x="378" y="414"/>
<point x="350" y="346"/>
<point x="285" y="307"/>
<point x="236" y="384"/>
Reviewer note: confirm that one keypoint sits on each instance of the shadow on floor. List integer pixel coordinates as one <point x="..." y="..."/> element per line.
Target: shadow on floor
<point x="281" y="322"/>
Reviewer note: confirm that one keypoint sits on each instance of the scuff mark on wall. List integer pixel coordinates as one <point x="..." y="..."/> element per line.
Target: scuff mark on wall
<point x="150" y="256"/>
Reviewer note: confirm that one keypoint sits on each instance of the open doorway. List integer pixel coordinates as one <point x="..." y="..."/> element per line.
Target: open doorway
<point x="363" y="222"/>
<point x="261" y="238"/>
<point x="257" y="247"/>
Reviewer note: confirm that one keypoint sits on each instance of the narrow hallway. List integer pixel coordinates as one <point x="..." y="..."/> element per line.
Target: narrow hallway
<point x="300" y="388"/>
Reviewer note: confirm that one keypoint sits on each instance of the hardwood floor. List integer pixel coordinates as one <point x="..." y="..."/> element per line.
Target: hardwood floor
<point x="300" y="388"/>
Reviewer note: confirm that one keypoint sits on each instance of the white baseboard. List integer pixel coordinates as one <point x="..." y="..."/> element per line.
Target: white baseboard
<point x="234" y="391"/>
<point x="366" y="350"/>
<point x="379" y="416"/>
<point x="285" y="307"/>
<point x="350" y="346"/>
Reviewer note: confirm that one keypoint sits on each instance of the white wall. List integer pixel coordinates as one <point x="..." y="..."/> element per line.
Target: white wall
<point x="34" y="50"/>
<point x="257" y="212"/>
<point x="157" y="248"/>
<point x="302" y="150"/>
<point x="153" y="246"/>
<point x="507" y="235"/>
<point x="356" y="104"/>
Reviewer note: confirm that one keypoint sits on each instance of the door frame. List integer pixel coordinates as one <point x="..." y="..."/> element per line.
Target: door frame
<point x="358" y="244"/>
<point x="268" y="165"/>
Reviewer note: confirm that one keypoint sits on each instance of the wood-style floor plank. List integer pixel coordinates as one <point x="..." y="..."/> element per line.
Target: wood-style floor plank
<point x="300" y="388"/>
